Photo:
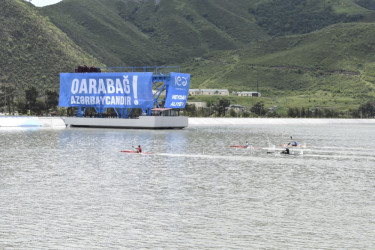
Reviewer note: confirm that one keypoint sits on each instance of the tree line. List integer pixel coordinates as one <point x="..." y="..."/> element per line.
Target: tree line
<point x="222" y="109"/>
<point x="32" y="103"/>
<point x="35" y="103"/>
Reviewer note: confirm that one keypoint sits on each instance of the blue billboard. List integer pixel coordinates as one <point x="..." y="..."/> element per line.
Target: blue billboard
<point x="106" y="90"/>
<point x="178" y="90"/>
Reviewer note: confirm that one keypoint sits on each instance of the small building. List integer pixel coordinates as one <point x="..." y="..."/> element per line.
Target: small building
<point x="248" y="93"/>
<point x="198" y="104"/>
<point x="208" y="92"/>
<point x="237" y="107"/>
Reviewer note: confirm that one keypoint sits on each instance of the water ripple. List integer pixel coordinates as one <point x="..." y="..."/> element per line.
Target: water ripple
<point x="73" y="188"/>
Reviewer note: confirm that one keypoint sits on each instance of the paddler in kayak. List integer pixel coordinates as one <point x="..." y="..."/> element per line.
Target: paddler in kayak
<point x="293" y="144"/>
<point x="286" y="151"/>
<point x="247" y="144"/>
<point x="139" y="149"/>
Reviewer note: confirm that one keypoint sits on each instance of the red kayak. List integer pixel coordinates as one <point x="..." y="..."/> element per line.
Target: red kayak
<point x="134" y="152"/>
<point x="238" y="146"/>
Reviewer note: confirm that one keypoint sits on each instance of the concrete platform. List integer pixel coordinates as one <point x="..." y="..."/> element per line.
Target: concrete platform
<point x="142" y="122"/>
<point x="31" y="121"/>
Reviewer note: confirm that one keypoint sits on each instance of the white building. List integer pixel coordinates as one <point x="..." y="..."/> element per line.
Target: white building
<point x="198" y="104"/>
<point x="248" y="93"/>
<point x="208" y="92"/>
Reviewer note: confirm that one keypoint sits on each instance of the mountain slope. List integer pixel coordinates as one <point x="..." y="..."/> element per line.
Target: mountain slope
<point x="135" y="33"/>
<point x="286" y="17"/>
<point x="335" y="62"/>
<point x="32" y="50"/>
<point x="149" y="32"/>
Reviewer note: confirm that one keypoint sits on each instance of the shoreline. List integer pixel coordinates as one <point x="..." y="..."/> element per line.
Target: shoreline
<point x="277" y="121"/>
<point x="31" y="121"/>
<point x="53" y="122"/>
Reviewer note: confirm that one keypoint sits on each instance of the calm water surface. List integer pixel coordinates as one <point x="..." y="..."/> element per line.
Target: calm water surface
<point x="73" y="188"/>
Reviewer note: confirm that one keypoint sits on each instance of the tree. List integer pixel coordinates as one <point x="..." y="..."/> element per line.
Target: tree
<point x="245" y="114"/>
<point x="297" y="112"/>
<point x="309" y="113"/>
<point x="291" y="112"/>
<point x="222" y="106"/>
<point x="7" y="93"/>
<point x="317" y="112"/>
<point x="367" y="109"/>
<point x="52" y="99"/>
<point x="232" y="113"/>
<point x="258" y="108"/>
<point x="31" y="94"/>
<point x="190" y="110"/>
<point x="39" y="107"/>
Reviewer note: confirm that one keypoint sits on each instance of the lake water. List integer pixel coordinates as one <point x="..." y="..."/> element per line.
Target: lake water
<point x="73" y="188"/>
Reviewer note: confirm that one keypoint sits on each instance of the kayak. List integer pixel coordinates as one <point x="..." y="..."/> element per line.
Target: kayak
<point x="292" y="151"/>
<point x="291" y="146"/>
<point x="238" y="146"/>
<point x="134" y="152"/>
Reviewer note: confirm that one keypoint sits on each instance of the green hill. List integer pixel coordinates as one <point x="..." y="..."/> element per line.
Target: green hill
<point x="32" y="50"/>
<point x="286" y="17"/>
<point x="333" y="67"/>
<point x="149" y="32"/>
<point x="137" y="33"/>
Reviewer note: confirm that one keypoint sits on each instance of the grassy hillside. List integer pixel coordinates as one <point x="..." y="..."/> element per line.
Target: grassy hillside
<point x="286" y="17"/>
<point x="32" y="50"/>
<point x="149" y="32"/>
<point x="333" y="67"/>
<point x="368" y="4"/>
<point x="137" y="33"/>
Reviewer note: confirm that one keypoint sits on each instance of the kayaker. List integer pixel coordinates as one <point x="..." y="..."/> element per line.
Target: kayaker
<point x="286" y="151"/>
<point x="139" y="149"/>
<point x="293" y="144"/>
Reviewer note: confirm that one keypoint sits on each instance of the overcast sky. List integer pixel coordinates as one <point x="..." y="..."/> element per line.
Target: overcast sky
<point x="41" y="3"/>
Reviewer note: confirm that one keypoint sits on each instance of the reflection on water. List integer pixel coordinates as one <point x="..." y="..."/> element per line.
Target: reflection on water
<point x="72" y="188"/>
